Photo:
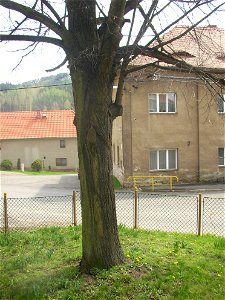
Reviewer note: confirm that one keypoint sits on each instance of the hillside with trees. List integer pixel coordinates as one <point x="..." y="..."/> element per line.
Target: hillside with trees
<point x="46" y="93"/>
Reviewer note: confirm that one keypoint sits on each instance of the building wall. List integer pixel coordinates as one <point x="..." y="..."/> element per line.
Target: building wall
<point x="117" y="145"/>
<point x="47" y="150"/>
<point x="193" y="130"/>
<point x="211" y="137"/>
<point x="117" y="149"/>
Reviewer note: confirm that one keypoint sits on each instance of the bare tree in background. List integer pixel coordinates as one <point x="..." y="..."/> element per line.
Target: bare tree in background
<point x="90" y="35"/>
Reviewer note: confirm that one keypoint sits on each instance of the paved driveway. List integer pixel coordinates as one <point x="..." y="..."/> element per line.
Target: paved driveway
<point x="22" y="186"/>
<point x="19" y="185"/>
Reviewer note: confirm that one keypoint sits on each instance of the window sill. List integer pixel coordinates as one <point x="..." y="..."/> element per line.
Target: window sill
<point x="163" y="170"/>
<point x="162" y="113"/>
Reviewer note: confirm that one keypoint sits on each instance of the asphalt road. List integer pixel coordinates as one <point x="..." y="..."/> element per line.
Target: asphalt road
<point x="17" y="185"/>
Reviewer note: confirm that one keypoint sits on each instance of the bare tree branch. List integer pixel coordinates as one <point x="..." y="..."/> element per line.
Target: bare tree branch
<point x="34" y="15"/>
<point x="130" y="5"/>
<point x="59" y="66"/>
<point x="33" y="46"/>
<point x="189" y="28"/>
<point x="31" y="38"/>
<point x="50" y="7"/>
<point x="20" y="23"/>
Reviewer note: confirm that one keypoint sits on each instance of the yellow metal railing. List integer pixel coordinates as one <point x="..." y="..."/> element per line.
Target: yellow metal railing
<point x="158" y="180"/>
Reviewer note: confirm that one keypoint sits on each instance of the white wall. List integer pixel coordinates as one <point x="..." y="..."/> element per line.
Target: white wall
<point x="29" y="150"/>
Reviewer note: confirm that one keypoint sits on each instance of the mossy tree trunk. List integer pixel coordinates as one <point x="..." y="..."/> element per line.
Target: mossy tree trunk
<point x="101" y="247"/>
<point x="92" y="69"/>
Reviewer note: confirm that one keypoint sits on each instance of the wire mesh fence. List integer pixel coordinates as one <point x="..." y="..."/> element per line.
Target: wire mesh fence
<point x="213" y="216"/>
<point x="168" y="213"/>
<point x="77" y="204"/>
<point x="38" y="212"/>
<point x="124" y="208"/>
<point x="171" y="213"/>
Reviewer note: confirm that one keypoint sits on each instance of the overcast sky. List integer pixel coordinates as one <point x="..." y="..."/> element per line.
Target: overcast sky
<point x="33" y="66"/>
<point x="46" y="56"/>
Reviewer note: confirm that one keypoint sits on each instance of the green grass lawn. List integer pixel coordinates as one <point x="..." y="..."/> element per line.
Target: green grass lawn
<point x="43" y="264"/>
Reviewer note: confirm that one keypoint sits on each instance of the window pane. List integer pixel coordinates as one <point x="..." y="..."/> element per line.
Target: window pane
<point x="162" y="159"/>
<point x="221" y="104"/>
<point x="221" y="154"/>
<point x="153" y="160"/>
<point x="171" y="102"/>
<point x="61" y="162"/>
<point x="62" y="143"/>
<point x="172" y="159"/>
<point x="152" y="103"/>
<point x="162" y="102"/>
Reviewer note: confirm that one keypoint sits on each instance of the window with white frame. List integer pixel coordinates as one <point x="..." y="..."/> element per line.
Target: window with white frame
<point x="221" y="104"/>
<point x="165" y="159"/>
<point x="162" y="102"/>
<point x="221" y="156"/>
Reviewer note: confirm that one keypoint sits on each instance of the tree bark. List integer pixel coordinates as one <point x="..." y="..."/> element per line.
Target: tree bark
<point x="92" y="70"/>
<point x="100" y="242"/>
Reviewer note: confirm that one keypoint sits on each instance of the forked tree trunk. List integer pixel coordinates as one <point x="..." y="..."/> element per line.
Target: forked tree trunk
<point x="100" y="242"/>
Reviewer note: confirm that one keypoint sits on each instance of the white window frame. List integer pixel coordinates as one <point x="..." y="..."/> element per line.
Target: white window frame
<point x="167" y="160"/>
<point x="221" y="157"/>
<point x="223" y="103"/>
<point x="158" y="106"/>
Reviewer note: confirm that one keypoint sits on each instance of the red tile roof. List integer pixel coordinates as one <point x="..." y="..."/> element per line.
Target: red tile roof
<point x="33" y="124"/>
<point x="206" y="46"/>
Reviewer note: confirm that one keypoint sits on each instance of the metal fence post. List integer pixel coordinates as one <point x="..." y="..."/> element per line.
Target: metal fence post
<point x="153" y="184"/>
<point x="6" y="224"/>
<point x="135" y="208"/>
<point x="200" y="215"/>
<point x="171" y="184"/>
<point x="74" y="209"/>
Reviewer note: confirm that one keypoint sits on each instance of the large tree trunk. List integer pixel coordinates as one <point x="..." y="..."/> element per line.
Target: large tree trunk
<point x="100" y="242"/>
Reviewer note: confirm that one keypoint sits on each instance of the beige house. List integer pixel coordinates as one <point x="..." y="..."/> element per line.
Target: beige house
<point x="49" y="136"/>
<point x="172" y="124"/>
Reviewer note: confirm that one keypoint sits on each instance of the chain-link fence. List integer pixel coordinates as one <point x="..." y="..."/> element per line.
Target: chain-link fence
<point x="168" y="212"/>
<point x="213" y="216"/>
<point x="171" y="213"/>
<point x="38" y="212"/>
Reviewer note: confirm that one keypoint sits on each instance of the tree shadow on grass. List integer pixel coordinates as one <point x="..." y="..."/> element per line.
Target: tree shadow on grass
<point x="42" y="286"/>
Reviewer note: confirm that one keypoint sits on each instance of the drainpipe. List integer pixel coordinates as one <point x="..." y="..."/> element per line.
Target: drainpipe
<point x="198" y="134"/>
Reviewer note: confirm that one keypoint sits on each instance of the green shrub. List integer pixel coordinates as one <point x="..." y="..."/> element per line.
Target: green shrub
<point x="18" y="164"/>
<point x="6" y="164"/>
<point x="36" y="165"/>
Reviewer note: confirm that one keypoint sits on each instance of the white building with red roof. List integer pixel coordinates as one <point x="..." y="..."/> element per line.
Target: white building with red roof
<point x="46" y="135"/>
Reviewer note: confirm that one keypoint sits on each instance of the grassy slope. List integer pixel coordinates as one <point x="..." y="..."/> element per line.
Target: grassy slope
<point x="43" y="264"/>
